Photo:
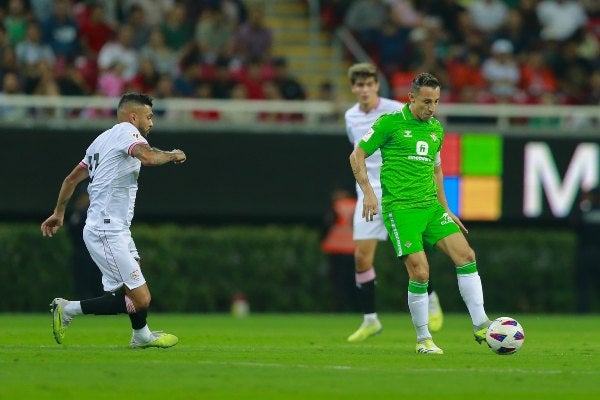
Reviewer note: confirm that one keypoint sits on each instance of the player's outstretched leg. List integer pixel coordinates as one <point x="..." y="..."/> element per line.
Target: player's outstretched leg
<point x="469" y="285"/>
<point x="60" y="321"/>
<point x="365" y="282"/>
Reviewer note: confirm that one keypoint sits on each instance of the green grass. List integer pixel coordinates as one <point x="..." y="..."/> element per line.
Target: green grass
<point x="293" y="357"/>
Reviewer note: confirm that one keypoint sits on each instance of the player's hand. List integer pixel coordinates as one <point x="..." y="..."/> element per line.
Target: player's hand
<point x="51" y="225"/>
<point x="370" y="207"/>
<point x="179" y="156"/>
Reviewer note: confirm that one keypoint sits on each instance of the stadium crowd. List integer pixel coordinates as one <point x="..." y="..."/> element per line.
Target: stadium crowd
<point x="483" y="51"/>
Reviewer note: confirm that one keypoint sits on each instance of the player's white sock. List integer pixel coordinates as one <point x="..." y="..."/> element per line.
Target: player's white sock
<point x="72" y="308"/>
<point x="418" y="304"/>
<point x="469" y="285"/>
<point x="142" y="335"/>
<point x="370" y="318"/>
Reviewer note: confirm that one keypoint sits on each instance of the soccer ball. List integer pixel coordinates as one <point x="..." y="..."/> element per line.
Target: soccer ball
<point x="505" y="336"/>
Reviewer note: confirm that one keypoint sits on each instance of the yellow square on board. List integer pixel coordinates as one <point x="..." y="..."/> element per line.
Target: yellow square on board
<point x="480" y="198"/>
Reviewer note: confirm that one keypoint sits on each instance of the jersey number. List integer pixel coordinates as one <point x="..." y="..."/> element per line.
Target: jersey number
<point x="96" y="158"/>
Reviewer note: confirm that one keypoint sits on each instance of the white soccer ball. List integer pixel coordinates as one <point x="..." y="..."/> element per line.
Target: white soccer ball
<point x="505" y="336"/>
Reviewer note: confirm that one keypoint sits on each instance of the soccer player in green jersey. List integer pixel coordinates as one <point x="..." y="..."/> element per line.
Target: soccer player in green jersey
<point x="414" y="206"/>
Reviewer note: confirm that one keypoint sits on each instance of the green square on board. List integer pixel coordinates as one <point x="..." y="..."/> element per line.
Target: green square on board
<point x="481" y="154"/>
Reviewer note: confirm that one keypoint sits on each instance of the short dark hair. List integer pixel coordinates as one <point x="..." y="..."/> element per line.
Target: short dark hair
<point x="424" y="79"/>
<point x="141" y="99"/>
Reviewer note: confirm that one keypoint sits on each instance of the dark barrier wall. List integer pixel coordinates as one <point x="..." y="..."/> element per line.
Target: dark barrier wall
<point x="227" y="177"/>
<point x="242" y="177"/>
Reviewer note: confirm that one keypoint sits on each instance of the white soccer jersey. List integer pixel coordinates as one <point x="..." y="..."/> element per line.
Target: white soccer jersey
<point x="358" y="124"/>
<point x="113" y="177"/>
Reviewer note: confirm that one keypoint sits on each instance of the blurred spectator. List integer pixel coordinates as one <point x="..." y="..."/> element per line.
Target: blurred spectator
<point x="186" y="83"/>
<point x="254" y="40"/>
<point x="221" y="85"/>
<point x="162" y="57"/>
<point x="31" y="51"/>
<point x="215" y="35"/>
<point x="111" y="82"/>
<point x="392" y="45"/>
<point x="403" y="13"/>
<point x="15" y="21"/>
<point x="8" y="63"/>
<point x="560" y="19"/>
<point x="464" y="69"/>
<point x="71" y="81"/>
<point x="61" y="32"/>
<point x="501" y="71"/>
<point x="288" y="86"/>
<point x="146" y="78"/>
<point x="326" y="92"/>
<point x="337" y="244"/>
<point x="235" y="11"/>
<point x="154" y="10"/>
<point x="536" y="77"/>
<point x="95" y="31"/>
<point x="176" y="28"/>
<point x="364" y="18"/>
<point x="46" y="84"/>
<point x="450" y="12"/>
<point x="164" y="87"/>
<point x="41" y="9"/>
<point x="521" y="33"/>
<point x="253" y="80"/>
<point x="332" y="13"/>
<point x="136" y="18"/>
<point x="10" y="86"/>
<point x="488" y="15"/>
<point x="121" y="52"/>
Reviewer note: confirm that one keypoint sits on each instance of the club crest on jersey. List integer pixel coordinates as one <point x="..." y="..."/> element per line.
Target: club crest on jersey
<point x="434" y="137"/>
<point x="135" y="135"/>
<point x="407" y="134"/>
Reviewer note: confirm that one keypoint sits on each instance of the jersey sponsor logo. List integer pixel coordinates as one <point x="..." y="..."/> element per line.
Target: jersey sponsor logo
<point x="419" y="158"/>
<point x="407" y="134"/>
<point x="422" y="148"/>
<point x="446" y="219"/>
<point x="135" y="135"/>
<point x="135" y="275"/>
<point x="368" y="135"/>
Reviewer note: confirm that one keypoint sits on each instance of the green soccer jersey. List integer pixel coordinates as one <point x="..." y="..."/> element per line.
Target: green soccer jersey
<point x="409" y="149"/>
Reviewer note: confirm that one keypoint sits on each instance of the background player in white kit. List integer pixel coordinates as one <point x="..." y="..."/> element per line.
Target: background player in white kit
<point x="112" y="163"/>
<point x="359" y="119"/>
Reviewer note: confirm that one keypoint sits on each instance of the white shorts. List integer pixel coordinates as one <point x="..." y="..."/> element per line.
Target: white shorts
<point x="115" y="254"/>
<point x="364" y="230"/>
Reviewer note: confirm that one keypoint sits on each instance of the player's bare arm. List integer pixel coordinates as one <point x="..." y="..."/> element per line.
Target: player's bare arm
<point x="53" y="223"/>
<point x="438" y="175"/>
<point x="359" y="169"/>
<point x="151" y="156"/>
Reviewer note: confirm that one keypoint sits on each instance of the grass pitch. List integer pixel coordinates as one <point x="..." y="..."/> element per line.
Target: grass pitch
<point x="293" y="357"/>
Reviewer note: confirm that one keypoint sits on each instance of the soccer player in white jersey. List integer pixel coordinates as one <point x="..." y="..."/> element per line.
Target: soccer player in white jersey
<point x="359" y="119"/>
<point x="112" y="164"/>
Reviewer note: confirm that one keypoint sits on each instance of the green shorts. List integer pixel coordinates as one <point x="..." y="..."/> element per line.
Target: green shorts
<point x="410" y="229"/>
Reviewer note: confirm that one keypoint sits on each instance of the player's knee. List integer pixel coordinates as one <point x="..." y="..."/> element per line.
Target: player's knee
<point x="363" y="260"/>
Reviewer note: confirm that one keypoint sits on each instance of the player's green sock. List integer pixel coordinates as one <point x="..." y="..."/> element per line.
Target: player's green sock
<point x="469" y="285"/>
